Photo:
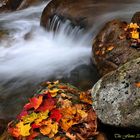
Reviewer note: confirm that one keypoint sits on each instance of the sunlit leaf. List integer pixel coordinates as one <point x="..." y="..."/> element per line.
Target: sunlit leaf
<point x="23" y="129"/>
<point x="137" y="84"/>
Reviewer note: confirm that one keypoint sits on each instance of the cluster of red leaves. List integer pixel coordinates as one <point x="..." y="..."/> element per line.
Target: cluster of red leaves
<point x="58" y="112"/>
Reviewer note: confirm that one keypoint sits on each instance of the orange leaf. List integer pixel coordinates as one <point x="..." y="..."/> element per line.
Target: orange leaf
<point x="110" y="48"/>
<point x="14" y="132"/>
<point x="66" y="124"/>
<point x="45" y="130"/>
<point x="34" y="103"/>
<point x="137" y="84"/>
<point x="86" y="97"/>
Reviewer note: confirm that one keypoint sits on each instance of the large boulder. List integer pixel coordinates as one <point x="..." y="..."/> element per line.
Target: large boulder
<point x="74" y="10"/>
<point x="116" y="96"/>
<point x="136" y="18"/>
<point x="111" y="48"/>
<point x="83" y="13"/>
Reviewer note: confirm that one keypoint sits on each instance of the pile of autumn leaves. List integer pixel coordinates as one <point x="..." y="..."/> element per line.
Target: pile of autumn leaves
<point x="59" y="112"/>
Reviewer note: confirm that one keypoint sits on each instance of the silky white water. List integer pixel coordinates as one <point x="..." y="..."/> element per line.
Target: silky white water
<point x="40" y="55"/>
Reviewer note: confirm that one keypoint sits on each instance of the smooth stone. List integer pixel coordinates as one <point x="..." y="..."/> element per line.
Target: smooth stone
<point x="116" y="98"/>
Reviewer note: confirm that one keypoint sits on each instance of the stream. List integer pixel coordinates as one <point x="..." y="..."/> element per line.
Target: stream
<point x="30" y="55"/>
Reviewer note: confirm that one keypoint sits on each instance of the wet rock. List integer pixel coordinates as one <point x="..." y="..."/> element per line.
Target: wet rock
<point x="73" y="10"/>
<point x="116" y="96"/>
<point x="83" y="77"/>
<point x="111" y="48"/>
<point x="3" y="125"/>
<point x="28" y="3"/>
<point x="12" y="5"/>
<point x="81" y="13"/>
<point x="136" y="18"/>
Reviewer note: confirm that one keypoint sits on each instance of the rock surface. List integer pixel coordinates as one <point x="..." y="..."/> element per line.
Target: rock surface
<point x="83" y="13"/>
<point x="136" y="18"/>
<point x="111" y="48"/>
<point x="12" y="5"/>
<point x="116" y="96"/>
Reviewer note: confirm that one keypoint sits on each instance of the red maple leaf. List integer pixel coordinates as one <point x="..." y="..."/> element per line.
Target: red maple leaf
<point x="48" y="104"/>
<point x="55" y="114"/>
<point x="35" y="102"/>
<point x="35" y="126"/>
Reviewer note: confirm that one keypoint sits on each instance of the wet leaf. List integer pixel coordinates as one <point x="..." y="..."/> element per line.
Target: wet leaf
<point x="137" y="84"/>
<point x="56" y="115"/>
<point x="48" y="104"/>
<point x="35" y="102"/>
<point x="23" y="129"/>
<point x="86" y="97"/>
<point x="14" y="132"/>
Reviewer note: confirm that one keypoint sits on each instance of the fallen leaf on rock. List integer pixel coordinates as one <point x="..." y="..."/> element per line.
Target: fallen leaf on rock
<point x="137" y="84"/>
<point x="23" y="129"/>
<point x="110" y="48"/>
<point x="14" y="132"/>
<point x="30" y="118"/>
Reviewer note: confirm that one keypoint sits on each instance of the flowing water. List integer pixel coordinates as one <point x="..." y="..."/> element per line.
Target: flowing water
<point x="28" y="54"/>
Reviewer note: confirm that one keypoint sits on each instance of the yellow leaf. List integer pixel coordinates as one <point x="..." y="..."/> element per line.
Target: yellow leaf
<point x="54" y="130"/>
<point x="24" y="129"/>
<point x="135" y="34"/>
<point x="133" y="25"/>
<point x="53" y="92"/>
<point x="54" y="127"/>
<point x="82" y="113"/>
<point x="30" y="118"/>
